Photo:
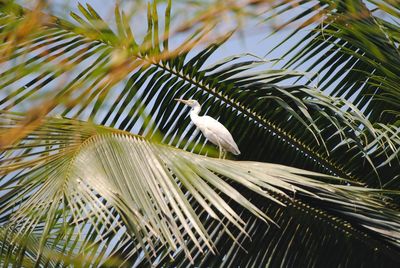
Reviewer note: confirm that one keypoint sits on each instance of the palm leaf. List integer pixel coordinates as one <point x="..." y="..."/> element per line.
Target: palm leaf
<point x="290" y="122"/>
<point x="104" y="195"/>
<point x="103" y="218"/>
<point x="352" y="50"/>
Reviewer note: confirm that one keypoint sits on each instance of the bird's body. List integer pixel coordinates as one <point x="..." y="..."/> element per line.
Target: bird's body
<point x="213" y="130"/>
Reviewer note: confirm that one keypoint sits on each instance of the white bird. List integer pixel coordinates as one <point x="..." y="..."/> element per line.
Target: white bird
<point x="213" y="130"/>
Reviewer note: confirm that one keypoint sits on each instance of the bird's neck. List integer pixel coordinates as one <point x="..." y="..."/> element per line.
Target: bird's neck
<point x="194" y="112"/>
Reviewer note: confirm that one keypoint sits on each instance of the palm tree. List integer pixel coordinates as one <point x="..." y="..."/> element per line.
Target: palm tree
<point x="100" y="167"/>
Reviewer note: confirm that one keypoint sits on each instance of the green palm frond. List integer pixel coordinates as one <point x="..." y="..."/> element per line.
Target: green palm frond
<point x="77" y="193"/>
<point x="352" y="48"/>
<point x="288" y="122"/>
<point x="303" y="239"/>
<point x="96" y="193"/>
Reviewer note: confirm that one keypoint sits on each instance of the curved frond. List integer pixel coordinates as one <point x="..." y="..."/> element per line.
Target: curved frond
<point x="76" y="192"/>
<point x="352" y="48"/>
<point x="97" y="193"/>
<point x="292" y="123"/>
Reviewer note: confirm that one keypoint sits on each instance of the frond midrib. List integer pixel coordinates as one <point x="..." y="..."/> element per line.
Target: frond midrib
<point x="265" y="123"/>
<point x="260" y="120"/>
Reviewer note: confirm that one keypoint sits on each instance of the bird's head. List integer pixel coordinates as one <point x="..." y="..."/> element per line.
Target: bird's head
<point x="191" y="103"/>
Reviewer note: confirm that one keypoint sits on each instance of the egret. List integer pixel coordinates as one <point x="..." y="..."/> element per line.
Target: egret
<point x="213" y="130"/>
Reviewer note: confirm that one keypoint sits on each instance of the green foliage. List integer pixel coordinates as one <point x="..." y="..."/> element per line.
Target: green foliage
<point x="90" y="192"/>
<point x="94" y="190"/>
<point x="358" y="46"/>
<point x="353" y="52"/>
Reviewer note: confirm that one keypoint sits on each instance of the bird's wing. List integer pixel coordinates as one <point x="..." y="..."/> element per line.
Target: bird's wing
<point x="222" y="133"/>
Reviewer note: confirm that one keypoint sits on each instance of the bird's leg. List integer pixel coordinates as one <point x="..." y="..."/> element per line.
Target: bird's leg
<point x="220" y="149"/>
<point x="223" y="154"/>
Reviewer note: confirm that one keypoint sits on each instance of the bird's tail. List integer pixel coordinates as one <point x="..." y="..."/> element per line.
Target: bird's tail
<point x="235" y="150"/>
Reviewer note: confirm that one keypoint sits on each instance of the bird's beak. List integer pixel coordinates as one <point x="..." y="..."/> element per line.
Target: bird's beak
<point x="183" y="101"/>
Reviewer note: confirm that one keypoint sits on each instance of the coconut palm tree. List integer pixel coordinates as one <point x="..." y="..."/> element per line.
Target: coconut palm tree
<point x="101" y="167"/>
